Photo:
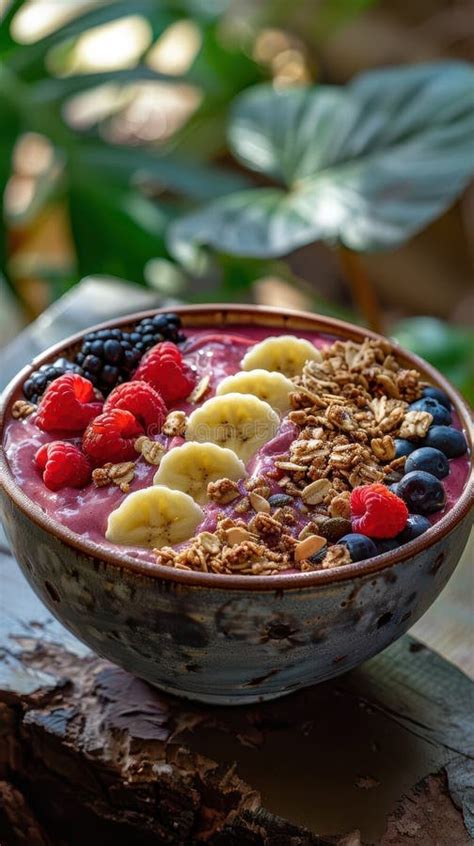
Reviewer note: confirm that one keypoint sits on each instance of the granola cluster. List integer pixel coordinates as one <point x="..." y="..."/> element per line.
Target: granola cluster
<point x="348" y="409"/>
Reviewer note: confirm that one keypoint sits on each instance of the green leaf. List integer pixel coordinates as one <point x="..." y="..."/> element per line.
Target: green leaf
<point x="57" y="90"/>
<point x="30" y="62"/>
<point x="115" y="231"/>
<point x="368" y="165"/>
<point x="449" y="348"/>
<point x="135" y="164"/>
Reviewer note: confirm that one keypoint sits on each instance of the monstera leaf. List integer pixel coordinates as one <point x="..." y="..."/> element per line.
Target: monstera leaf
<point x="367" y="165"/>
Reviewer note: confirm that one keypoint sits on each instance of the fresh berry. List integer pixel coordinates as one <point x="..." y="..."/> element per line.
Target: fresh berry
<point x="416" y="525"/>
<point x="108" y="356"/>
<point x="377" y="512"/>
<point x="68" y="405"/>
<point x="164" y="369"/>
<point x="36" y="385"/>
<point x="279" y="500"/>
<point x="403" y="447"/>
<point x="450" y="441"/>
<point x="422" y="492"/>
<point x="437" y="394"/>
<point x="111" y="437"/>
<point x="360" y="546"/>
<point x="142" y="401"/>
<point x="393" y="488"/>
<point x="441" y="415"/>
<point x="63" y="465"/>
<point x="427" y="458"/>
<point x="105" y="358"/>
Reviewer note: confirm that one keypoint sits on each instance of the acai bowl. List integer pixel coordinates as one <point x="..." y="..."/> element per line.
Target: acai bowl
<point x="235" y="502"/>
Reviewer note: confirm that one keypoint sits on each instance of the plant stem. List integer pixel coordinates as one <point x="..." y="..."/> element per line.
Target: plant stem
<point x="362" y="290"/>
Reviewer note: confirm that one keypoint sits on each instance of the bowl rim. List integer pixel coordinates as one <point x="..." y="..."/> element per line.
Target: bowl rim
<point x="233" y="315"/>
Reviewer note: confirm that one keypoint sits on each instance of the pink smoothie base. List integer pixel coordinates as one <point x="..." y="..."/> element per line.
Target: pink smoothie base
<point x="210" y="352"/>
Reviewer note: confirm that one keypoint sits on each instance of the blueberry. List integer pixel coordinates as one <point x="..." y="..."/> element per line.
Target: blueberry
<point x="416" y="525"/>
<point x="422" y="492"/>
<point x="450" y="441"/>
<point x="112" y="351"/>
<point x="427" y="458"/>
<point x="441" y="415"/>
<point x="116" y="333"/>
<point x="386" y="545"/>
<point x="403" y="447"/>
<point x="278" y="500"/>
<point x="39" y="382"/>
<point x="437" y="394"/>
<point x="148" y="340"/>
<point x="29" y="389"/>
<point x="395" y="488"/>
<point x="135" y="337"/>
<point x="359" y="546"/>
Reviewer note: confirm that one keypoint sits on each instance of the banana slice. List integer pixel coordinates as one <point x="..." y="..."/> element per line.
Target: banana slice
<point x="273" y="388"/>
<point x="239" y="422"/>
<point x="154" y="517"/>
<point x="190" y="468"/>
<point x="284" y="353"/>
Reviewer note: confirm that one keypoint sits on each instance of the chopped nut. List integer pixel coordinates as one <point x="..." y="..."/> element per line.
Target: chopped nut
<point x="315" y="492"/>
<point x="175" y="424"/>
<point x="258" y="503"/>
<point x="243" y="506"/>
<point x="223" y="491"/>
<point x="152" y="451"/>
<point x="117" y="474"/>
<point x="290" y="465"/>
<point x="238" y="535"/>
<point x="340" y="505"/>
<point x="336" y="556"/>
<point x="200" y="390"/>
<point x="22" y="409"/>
<point x="383" y="448"/>
<point x="309" y="546"/>
<point x="415" y="424"/>
<point x="209" y="542"/>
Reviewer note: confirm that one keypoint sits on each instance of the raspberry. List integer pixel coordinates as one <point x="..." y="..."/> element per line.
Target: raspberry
<point x="163" y="368"/>
<point x="377" y="512"/>
<point x="142" y="401"/>
<point x="68" y="405"/>
<point x="111" y="437"/>
<point x="63" y="465"/>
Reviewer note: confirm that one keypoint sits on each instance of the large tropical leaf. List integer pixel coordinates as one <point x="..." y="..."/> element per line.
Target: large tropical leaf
<point x="368" y="165"/>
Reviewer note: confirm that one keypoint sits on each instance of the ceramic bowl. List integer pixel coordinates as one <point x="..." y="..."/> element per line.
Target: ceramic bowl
<point x="232" y="639"/>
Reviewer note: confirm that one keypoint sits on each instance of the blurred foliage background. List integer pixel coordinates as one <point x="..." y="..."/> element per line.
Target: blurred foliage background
<point x="114" y="117"/>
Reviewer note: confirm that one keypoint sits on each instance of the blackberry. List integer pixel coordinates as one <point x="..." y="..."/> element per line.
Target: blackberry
<point x="110" y="356"/>
<point x="105" y="359"/>
<point x="36" y="385"/>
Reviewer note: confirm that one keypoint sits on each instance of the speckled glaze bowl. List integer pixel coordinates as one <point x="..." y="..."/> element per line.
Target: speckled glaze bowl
<point x="234" y="639"/>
